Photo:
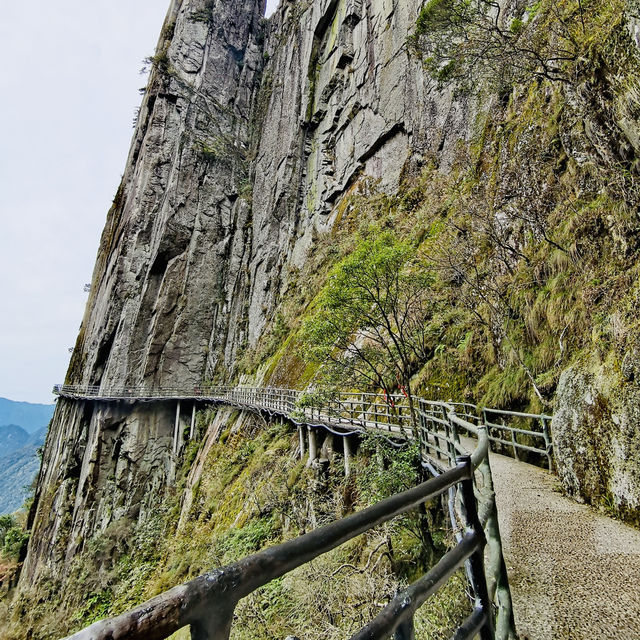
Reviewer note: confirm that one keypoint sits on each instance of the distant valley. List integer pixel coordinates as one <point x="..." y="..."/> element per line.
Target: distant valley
<point x="31" y="417"/>
<point x="23" y="429"/>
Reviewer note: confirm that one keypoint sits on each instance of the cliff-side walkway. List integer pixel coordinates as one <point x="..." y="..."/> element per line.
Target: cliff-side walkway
<point x="574" y="573"/>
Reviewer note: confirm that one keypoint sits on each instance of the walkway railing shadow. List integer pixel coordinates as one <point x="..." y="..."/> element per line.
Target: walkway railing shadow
<point x="454" y="442"/>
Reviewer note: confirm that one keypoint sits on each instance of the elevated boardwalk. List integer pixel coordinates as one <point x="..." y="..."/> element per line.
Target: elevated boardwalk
<point x="574" y="573"/>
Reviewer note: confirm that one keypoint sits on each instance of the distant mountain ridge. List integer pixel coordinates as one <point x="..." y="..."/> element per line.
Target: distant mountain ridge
<point x="12" y="438"/>
<point x="19" y="465"/>
<point x="30" y="416"/>
<point x="23" y="428"/>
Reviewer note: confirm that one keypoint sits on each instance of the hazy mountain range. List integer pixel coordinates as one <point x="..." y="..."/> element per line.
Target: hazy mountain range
<point x="23" y="428"/>
<point x="27" y="415"/>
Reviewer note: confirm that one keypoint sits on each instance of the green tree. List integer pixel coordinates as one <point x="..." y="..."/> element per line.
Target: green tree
<point x="6" y="522"/>
<point x="467" y="39"/>
<point x="13" y="539"/>
<point x="369" y="324"/>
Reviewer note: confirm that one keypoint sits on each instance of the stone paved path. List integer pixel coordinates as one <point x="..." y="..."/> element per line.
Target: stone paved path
<point x="574" y="572"/>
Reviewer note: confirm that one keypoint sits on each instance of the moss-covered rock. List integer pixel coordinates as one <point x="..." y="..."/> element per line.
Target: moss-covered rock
<point x="596" y="435"/>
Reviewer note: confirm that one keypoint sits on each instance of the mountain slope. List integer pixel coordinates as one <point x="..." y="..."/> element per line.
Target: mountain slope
<point x="18" y="468"/>
<point x="12" y="438"/>
<point x="29" y="416"/>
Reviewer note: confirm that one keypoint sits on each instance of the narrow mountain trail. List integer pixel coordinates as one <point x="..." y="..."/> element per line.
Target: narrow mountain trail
<point x="574" y="572"/>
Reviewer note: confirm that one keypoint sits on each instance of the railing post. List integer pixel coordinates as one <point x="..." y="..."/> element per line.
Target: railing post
<point x="455" y="433"/>
<point x="505" y="622"/>
<point x="476" y="561"/>
<point x="216" y="626"/>
<point x="547" y="441"/>
<point x="505" y="628"/>
<point x="514" y="443"/>
<point x="421" y="429"/>
<point x="449" y="426"/>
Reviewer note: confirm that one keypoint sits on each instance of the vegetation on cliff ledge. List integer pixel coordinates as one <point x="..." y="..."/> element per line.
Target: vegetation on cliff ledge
<point x="244" y="488"/>
<point x="531" y="239"/>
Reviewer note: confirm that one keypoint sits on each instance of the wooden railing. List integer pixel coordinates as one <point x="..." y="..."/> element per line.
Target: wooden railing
<point x="454" y="442"/>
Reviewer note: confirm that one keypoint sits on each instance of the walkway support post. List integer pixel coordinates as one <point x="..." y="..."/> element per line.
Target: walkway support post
<point x="313" y="446"/>
<point x="301" y="436"/>
<point x="175" y="429"/>
<point x="346" y="442"/>
<point x="192" y="430"/>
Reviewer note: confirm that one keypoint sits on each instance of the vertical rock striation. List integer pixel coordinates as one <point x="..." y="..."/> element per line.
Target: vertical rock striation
<point x="343" y="100"/>
<point x="248" y="135"/>
<point x="170" y="272"/>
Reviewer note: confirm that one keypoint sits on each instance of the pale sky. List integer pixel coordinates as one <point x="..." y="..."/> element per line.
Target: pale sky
<point x="70" y="83"/>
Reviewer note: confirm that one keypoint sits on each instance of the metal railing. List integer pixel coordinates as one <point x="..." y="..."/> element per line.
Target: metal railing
<point x="514" y="427"/>
<point x="349" y="409"/>
<point x="207" y="603"/>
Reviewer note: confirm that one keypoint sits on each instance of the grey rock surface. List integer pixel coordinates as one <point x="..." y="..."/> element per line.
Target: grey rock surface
<point x="168" y="277"/>
<point x="249" y="134"/>
<point x="597" y="440"/>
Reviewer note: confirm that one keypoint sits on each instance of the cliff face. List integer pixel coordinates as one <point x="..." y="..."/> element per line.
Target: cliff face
<point x="251" y="137"/>
<point x="343" y="100"/>
<point x="169" y="280"/>
<point x="248" y="135"/>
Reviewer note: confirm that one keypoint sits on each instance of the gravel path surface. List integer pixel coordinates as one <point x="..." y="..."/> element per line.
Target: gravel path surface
<point x="574" y="572"/>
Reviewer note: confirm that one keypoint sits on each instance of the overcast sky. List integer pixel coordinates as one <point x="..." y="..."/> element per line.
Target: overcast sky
<point x="70" y="85"/>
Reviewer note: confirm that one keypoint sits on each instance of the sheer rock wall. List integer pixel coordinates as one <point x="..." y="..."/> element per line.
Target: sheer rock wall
<point x="248" y="135"/>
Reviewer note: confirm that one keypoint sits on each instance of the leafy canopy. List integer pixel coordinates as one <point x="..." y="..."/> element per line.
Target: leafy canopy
<point x="467" y="39"/>
<point x="368" y="326"/>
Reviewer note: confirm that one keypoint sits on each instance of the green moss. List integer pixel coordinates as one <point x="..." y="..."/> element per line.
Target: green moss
<point x="515" y="305"/>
